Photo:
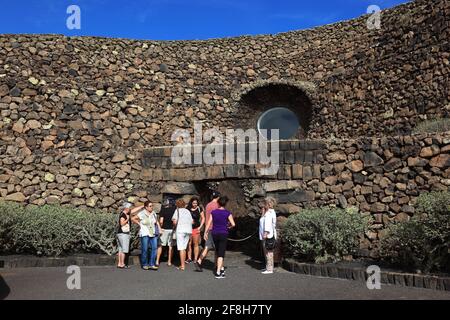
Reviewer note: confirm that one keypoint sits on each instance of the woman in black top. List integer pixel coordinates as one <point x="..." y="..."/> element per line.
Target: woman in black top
<point x="199" y="220"/>
<point x="123" y="235"/>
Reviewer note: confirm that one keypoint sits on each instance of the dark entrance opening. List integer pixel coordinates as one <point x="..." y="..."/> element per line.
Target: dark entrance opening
<point x="243" y="238"/>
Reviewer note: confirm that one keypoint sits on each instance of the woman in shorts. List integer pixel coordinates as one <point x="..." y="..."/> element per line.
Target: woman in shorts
<point x="199" y="219"/>
<point x="182" y="219"/>
<point x="165" y="221"/>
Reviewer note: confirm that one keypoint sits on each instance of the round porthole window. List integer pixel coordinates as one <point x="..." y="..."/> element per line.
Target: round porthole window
<point x="279" y="118"/>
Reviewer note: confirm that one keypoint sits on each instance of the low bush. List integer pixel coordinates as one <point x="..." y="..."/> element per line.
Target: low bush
<point x="53" y="230"/>
<point x="433" y="126"/>
<point x="423" y="242"/>
<point x="9" y="212"/>
<point x="324" y="234"/>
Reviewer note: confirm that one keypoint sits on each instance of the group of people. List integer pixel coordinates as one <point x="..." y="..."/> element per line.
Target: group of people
<point x="181" y="225"/>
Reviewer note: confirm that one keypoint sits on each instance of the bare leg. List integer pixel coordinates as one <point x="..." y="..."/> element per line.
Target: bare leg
<point x="203" y="255"/>
<point x="189" y="249"/>
<point x="182" y="258"/>
<point x="121" y="259"/>
<point x="158" y="254"/>
<point x="196" y="243"/>
<point x="169" y="260"/>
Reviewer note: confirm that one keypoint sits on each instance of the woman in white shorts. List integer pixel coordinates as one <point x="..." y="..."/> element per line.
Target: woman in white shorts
<point x="183" y="221"/>
<point x="165" y="220"/>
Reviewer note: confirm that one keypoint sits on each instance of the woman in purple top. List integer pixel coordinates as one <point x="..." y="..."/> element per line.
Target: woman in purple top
<point x="221" y="220"/>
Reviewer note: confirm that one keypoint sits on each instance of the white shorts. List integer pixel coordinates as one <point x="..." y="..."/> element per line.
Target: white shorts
<point x="166" y="238"/>
<point x="182" y="240"/>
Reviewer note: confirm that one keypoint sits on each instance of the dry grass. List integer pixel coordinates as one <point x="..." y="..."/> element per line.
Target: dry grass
<point x="433" y="126"/>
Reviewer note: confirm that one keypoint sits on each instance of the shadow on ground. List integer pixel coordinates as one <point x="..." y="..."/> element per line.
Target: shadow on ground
<point x="252" y="252"/>
<point x="4" y="288"/>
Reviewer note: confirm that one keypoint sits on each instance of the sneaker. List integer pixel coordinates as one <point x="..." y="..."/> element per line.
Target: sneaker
<point x="267" y="272"/>
<point x="154" y="268"/>
<point x="222" y="270"/>
<point x="146" y="267"/>
<point x="219" y="276"/>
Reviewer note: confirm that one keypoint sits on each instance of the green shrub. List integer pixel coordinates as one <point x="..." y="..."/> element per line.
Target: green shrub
<point x="433" y="126"/>
<point x="324" y="234"/>
<point x="435" y="203"/>
<point x="9" y="213"/>
<point x="423" y="242"/>
<point x="53" y="230"/>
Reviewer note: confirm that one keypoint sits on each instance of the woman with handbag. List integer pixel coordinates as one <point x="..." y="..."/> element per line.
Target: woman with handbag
<point x="268" y="232"/>
<point x="123" y="235"/>
<point x="182" y="220"/>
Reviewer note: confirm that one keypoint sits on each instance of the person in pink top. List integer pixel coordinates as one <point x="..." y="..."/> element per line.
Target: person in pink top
<point x="209" y="244"/>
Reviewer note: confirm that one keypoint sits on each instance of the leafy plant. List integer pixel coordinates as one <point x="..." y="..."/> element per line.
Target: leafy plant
<point x="9" y="212"/>
<point x="53" y="230"/>
<point x="422" y="243"/>
<point x="323" y="234"/>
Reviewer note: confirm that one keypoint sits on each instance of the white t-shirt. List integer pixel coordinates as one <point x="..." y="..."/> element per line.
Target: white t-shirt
<point x="147" y="223"/>
<point x="184" y="220"/>
<point x="268" y="223"/>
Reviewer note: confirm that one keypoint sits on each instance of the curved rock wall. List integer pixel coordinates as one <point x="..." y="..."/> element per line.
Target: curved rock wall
<point x="78" y="113"/>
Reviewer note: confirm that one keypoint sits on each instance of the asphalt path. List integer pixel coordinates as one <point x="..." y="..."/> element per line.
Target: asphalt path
<point x="244" y="281"/>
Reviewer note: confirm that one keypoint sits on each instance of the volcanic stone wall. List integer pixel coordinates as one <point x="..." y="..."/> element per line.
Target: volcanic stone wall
<point x="377" y="175"/>
<point x="78" y="113"/>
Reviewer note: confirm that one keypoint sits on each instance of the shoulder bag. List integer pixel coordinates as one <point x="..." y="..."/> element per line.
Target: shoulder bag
<point x="125" y="228"/>
<point x="270" y="243"/>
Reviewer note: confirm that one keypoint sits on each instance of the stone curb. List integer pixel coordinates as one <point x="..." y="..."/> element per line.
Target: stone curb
<point x="9" y="262"/>
<point x="359" y="274"/>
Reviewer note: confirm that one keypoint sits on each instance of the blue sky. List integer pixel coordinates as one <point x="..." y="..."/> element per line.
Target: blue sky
<point x="179" y="19"/>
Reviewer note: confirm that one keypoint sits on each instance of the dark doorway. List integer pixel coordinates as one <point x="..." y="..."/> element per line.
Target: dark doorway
<point x="243" y="238"/>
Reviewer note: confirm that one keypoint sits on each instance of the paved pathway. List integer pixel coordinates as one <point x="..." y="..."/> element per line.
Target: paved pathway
<point x="244" y="281"/>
